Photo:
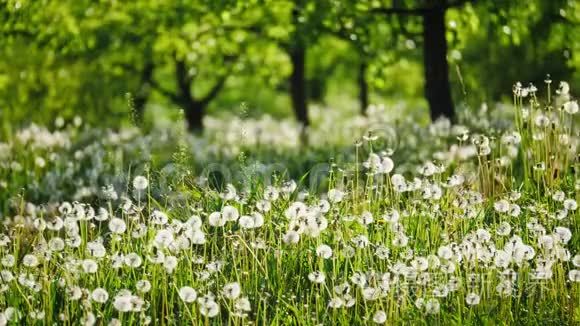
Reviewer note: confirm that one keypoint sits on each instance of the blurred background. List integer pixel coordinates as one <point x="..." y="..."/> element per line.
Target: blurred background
<point x="157" y="62"/>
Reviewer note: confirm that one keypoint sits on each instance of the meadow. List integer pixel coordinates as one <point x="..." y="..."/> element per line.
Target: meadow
<point x="367" y="220"/>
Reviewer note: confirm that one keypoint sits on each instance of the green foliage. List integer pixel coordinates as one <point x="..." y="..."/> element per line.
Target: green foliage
<point x="72" y="58"/>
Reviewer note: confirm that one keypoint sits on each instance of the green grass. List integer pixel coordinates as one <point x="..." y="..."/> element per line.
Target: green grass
<point x="464" y="228"/>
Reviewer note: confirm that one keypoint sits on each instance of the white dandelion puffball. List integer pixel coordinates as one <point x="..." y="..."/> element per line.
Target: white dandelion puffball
<point x="140" y="183"/>
<point x="232" y="290"/>
<point x="324" y="251"/>
<point x="117" y="225"/>
<point x="100" y="295"/>
<point x="472" y="299"/>
<point x="380" y="317"/>
<point x="187" y="294"/>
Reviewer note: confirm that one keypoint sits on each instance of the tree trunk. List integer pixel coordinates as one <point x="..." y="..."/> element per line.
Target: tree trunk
<point x="142" y="94"/>
<point x="297" y="52"/>
<point x="437" y="87"/>
<point x="363" y="86"/>
<point x="194" y="113"/>
<point x="193" y="110"/>
<point x="298" y="83"/>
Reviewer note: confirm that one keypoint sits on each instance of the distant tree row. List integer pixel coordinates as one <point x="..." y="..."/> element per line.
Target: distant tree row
<point x="186" y="50"/>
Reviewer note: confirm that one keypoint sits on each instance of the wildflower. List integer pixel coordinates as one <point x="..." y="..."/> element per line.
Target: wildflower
<point x="336" y="303"/>
<point x="170" y="263"/>
<point x="123" y="303"/>
<point x="30" y="261"/>
<point x="324" y="251"/>
<point x="100" y="295"/>
<point x="323" y="206"/>
<point x="246" y="222"/>
<point x="472" y="299"/>
<point x="209" y="309"/>
<point x="441" y="291"/>
<point x="571" y="107"/>
<point x="288" y="187"/>
<point x="139" y="231"/>
<point x="232" y="290"/>
<point x="445" y="252"/>
<point x="6" y="276"/>
<point x="563" y="233"/>
<point x="514" y="210"/>
<point x="230" y="192"/>
<point x="140" y="183"/>
<point x="361" y="241"/>
<point x="263" y="205"/>
<point x="133" y="260"/>
<point x="382" y="252"/>
<point x="432" y="306"/>
<point x="420" y="263"/>
<point x="576" y="260"/>
<point x="391" y="216"/>
<point x="271" y="193"/>
<point x="291" y="237"/>
<point x="400" y="240"/>
<point x="574" y="275"/>
<point x="366" y="218"/>
<point x="428" y="169"/>
<point x="230" y="213"/>
<point x="56" y="244"/>
<point x="335" y="195"/>
<point x="398" y="180"/>
<point x="559" y="196"/>
<point x="501" y="206"/>
<point x="143" y="286"/>
<point x="96" y="249"/>
<point x="90" y="266"/>
<point x="371" y="293"/>
<point x="455" y="180"/>
<point x="316" y="277"/>
<point x="420" y="303"/>
<point x="89" y="319"/>
<point x="258" y="219"/>
<point x="187" y="294"/>
<point x="503" y="229"/>
<point x="502" y="259"/>
<point x="164" y="238"/>
<point x="359" y="279"/>
<point x="117" y="225"/>
<point x="242" y="304"/>
<point x="115" y="322"/>
<point x="570" y="204"/>
<point x="373" y="163"/>
<point x="102" y="215"/>
<point x="380" y="317"/>
<point x="215" y="219"/>
<point x="563" y="88"/>
<point x="541" y="120"/>
<point x="8" y="260"/>
<point x="159" y="218"/>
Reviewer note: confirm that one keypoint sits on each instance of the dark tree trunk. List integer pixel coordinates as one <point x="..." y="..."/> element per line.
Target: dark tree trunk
<point x="297" y="52"/>
<point x="193" y="110"/>
<point x="298" y="83"/>
<point x="194" y="113"/>
<point x="363" y="87"/>
<point x="437" y="87"/>
<point x="142" y="94"/>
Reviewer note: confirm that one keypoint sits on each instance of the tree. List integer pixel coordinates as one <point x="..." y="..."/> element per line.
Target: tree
<point x="297" y="53"/>
<point x="437" y="85"/>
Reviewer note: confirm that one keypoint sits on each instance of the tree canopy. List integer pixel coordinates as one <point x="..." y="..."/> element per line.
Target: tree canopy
<point x="120" y="57"/>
